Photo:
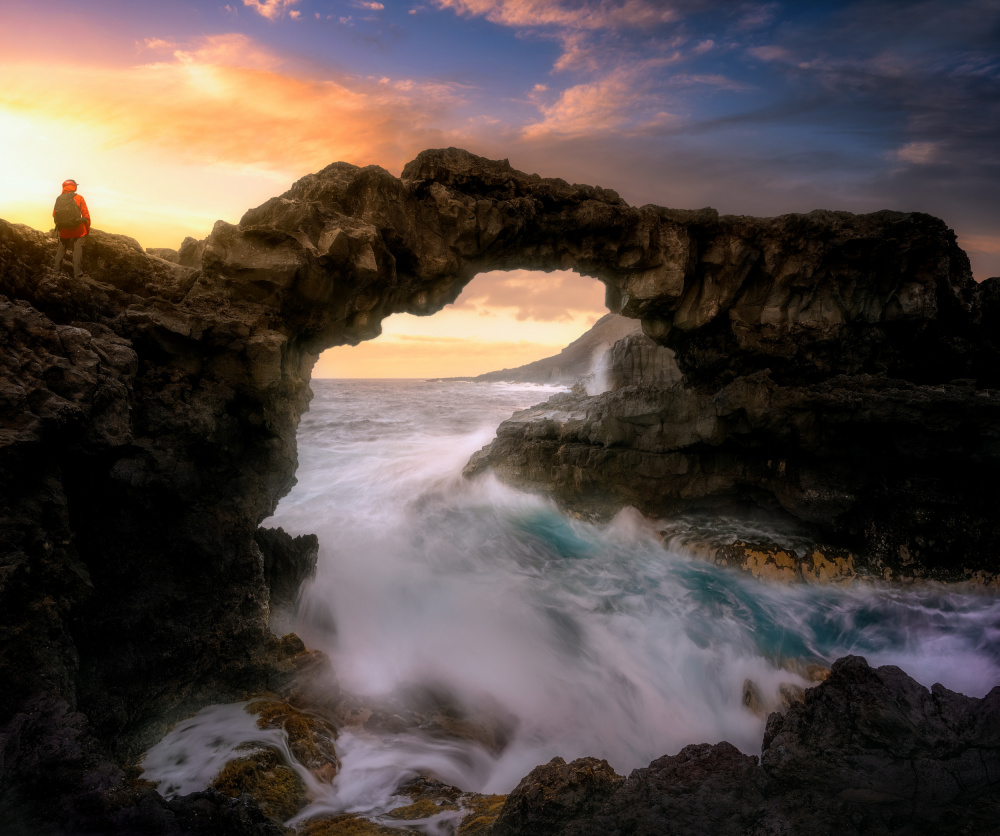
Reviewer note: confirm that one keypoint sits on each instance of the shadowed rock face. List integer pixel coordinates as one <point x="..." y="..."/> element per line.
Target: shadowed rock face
<point x="868" y="751"/>
<point x="149" y="411"/>
<point x="900" y="472"/>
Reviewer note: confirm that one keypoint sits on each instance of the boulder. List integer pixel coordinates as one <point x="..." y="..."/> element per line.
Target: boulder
<point x="867" y="751"/>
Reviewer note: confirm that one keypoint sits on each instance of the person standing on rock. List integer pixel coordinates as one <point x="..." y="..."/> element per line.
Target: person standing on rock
<point x="73" y="222"/>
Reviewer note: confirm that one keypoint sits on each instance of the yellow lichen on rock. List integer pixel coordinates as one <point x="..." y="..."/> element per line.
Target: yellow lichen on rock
<point x="770" y="562"/>
<point x="485" y="809"/>
<point x="424" y="808"/>
<point x="276" y="788"/>
<point x="311" y="739"/>
<point x="480" y="811"/>
<point x="810" y="671"/>
<point x="762" y="561"/>
<point x="984" y="579"/>
<point x="830" y="567"/>
<point x="776" y="565"/>
<point x="790" y="693"/>
<point x="346" y="824"/>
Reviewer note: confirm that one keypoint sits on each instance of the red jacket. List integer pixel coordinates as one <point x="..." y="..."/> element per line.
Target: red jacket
<point x="82" y="229"/>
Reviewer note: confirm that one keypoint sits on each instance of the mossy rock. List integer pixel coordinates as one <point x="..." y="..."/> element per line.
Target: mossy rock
<point x="430" y="798"/>
<point x="311" y="739"/>
<point x="484" y="811"/>
<point x="347" y="824"/>
<point x="422" y="809"/>
<point x="276" y="788"/>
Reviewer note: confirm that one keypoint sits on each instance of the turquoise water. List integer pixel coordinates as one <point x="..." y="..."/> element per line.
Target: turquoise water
<point x="588" y="640"/>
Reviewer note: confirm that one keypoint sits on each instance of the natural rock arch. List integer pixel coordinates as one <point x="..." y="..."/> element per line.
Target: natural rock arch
<point x="152" y="408"/>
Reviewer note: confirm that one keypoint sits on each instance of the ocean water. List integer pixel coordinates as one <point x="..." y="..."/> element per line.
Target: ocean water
<point x="575" y="639"/>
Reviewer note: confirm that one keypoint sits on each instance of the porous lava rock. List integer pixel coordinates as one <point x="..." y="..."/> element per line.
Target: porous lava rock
<point x="149" y="411"/>
<point x="554" y="793"/>
<point x="868" y="751"/>
<point x="636" y="360"/>
<point x="288" y="561"/>
<point x="897" y="471"/>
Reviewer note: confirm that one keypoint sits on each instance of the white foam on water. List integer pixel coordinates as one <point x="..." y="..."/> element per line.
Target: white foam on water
<point x="583" y="640"/>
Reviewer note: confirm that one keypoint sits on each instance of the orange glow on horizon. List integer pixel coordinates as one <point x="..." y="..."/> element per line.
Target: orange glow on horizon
<point x="502" y="320"/>
<point x="163" y="149"/>
<point x="167" y="132"/>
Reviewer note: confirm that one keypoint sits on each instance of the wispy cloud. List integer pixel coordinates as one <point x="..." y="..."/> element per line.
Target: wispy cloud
<point x="158" y="44"/>
<point x="720" y="82"/>
<point x="927" y="75"/>
<point x="553" y="297"/>
<point x="623" y="100"/>
<point x="981" y="243"/>
<point x="229" y="100"/>
<point x="603" y="14"/>
<point x="271" y="9"/>
<point x="919" y="153"/>
<point x="615" y="65"/>
<point x="751" y="16"/>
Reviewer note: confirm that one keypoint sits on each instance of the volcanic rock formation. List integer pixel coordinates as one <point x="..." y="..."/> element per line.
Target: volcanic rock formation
<point x="868" y="751"/>
<point x="149" y="415"/>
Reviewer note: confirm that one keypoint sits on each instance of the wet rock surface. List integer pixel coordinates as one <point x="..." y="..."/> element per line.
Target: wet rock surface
<point x="867" y="751"/>
<point x="897" y="472"/>
<point x="149" y="414"/>
<point x="555" y="793"/>
<point x="288" y="562"/>
<point x="636" y="360"/>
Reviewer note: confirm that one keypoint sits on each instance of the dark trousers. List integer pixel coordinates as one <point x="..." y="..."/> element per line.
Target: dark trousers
<point x="76" y="245"/>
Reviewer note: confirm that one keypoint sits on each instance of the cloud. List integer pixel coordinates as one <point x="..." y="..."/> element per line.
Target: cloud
<point x="542" y="297"/>
<point x="920" y="153"/>
<point x="770" y="52"/>
<point x="594" y="34"/>
<point x="271" y="9"/>
<point x="605" y="14"/>
<point x="981" y="243"/>
<point x="720" y="82"/>
<point x="228" y="51"/>
<point x="432" y="358"/>
<point x="756" y="15"/>
<point x="624" y="100"/>
<point x="228" y="100"/>
<point x="615" y="53"/>
<point x="159" y="44"/>
<point x="922" y="79"/>
<point x="372" y="7"/>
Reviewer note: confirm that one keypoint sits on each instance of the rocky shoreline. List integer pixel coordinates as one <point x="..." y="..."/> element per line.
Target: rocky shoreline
<point x="838" y="366"/>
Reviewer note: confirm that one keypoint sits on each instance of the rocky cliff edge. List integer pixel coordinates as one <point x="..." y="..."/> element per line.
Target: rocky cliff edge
<point x="150" y="410"/>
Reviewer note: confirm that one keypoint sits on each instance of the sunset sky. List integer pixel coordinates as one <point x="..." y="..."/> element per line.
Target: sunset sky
<point x="172" y="115"/>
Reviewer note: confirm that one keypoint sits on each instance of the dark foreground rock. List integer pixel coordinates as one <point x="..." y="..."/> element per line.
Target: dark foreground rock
<point x="148" y="416"/>
<point x="869" y="751"/>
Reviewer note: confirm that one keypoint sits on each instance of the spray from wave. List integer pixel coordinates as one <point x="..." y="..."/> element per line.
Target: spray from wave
<point x="569" y="639"/>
